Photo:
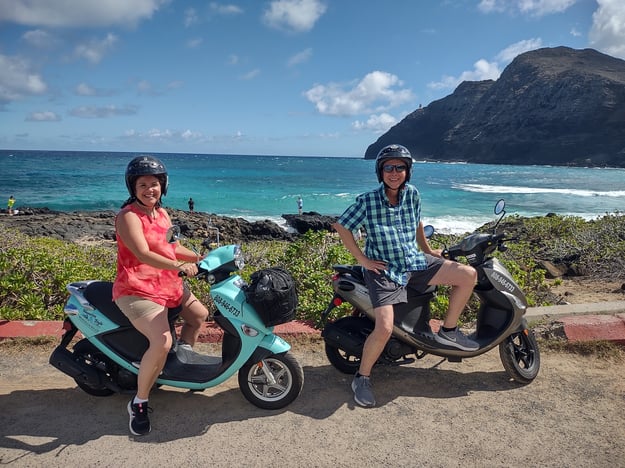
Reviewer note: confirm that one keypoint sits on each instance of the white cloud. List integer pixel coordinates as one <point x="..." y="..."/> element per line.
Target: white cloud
<point x="526" y="7"/>
<point x="45" y="116"/>
<point x="77" y="13"/>
<point x="485" y="70"/>
<point x="294" y="15"/>
<point x="94" y="50"/>
<point x="225" y="9"/>
<point x="193" y="43"/>
<point x="607" y="33"/>
<point x="376" y="123"/>
<point x="376" y="92"/>
<point x="17" y="79"/>
<point x="508" y="54"/>
<point x="190" y="17"/>
<point x="83" y="89"/>
<point x="251" y="74"/>
<point x="91" y="112"/>
<point x="300" y="57"/>
<point x="41" y="39"/>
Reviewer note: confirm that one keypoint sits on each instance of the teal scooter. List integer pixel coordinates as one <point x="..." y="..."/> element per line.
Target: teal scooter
<point x="106" y="360"/>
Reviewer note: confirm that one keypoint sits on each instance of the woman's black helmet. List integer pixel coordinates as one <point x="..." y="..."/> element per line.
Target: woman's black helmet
<point x="146" y="165"/>
<point x="393" y="152"/>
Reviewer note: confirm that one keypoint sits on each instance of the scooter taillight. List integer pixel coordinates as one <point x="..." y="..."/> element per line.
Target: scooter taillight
<point x="335" y="277"/>
<point x="337" y="301"/>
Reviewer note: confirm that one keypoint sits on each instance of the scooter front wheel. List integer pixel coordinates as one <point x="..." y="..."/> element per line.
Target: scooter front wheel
<point x="272" y="383"/>
<point x="520" y="356"/>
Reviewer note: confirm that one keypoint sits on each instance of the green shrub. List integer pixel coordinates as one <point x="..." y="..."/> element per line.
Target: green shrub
<point x="34" y="271"/>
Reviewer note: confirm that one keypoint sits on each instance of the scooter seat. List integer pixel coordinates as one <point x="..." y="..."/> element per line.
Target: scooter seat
<point x="99" y="294"/>
<point x="356" y="271"/>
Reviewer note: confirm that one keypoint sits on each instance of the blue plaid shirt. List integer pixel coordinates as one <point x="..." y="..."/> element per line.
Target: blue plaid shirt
<point x="391" y="230"/>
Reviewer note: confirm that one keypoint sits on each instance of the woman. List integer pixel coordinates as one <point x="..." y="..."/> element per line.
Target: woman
<point x="148" y="281"/>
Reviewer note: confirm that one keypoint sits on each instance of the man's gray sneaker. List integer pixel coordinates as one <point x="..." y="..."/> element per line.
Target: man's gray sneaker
<point x="363" y="393"/>
<point x="456" y="339"/>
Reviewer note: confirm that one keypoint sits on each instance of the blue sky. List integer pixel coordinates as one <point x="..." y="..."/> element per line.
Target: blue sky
<point x="281" y="77"/>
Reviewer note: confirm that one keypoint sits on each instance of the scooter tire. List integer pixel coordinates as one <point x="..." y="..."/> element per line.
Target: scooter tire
<point x="272" y="383"/>
<point x="342" y="360"/>
<point x="520" y="356"/>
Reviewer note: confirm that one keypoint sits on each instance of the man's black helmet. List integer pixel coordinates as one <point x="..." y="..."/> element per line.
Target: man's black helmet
<point x="393" y="152"/>
<point x="146" y="165"/>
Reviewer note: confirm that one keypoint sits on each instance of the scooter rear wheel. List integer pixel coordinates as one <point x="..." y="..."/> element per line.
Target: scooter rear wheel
<point x="272" y="383"/>
<point x="89" y="355"/>
<point x="342" y="360"/>
<point x="520" y="356"/>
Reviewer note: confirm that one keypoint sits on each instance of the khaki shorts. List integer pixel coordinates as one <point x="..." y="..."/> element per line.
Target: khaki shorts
<point x="135" y="307"/>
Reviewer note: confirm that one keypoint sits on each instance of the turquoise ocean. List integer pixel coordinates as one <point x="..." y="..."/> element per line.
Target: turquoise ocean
<point x="456" y="197"/>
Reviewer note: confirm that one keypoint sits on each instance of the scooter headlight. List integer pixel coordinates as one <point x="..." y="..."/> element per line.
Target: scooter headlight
<point x="238" y="257"/>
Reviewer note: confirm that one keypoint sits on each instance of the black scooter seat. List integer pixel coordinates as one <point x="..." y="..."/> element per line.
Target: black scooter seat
<point x="100" y="293"/>
<point x="357" y="272"/>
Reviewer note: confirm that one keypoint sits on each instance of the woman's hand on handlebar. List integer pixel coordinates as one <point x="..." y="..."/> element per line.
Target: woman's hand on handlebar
<point x="187" y="269"/>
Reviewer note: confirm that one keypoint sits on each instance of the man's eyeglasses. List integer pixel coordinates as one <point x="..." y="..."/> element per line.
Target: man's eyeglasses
<point x="397" y="167"/>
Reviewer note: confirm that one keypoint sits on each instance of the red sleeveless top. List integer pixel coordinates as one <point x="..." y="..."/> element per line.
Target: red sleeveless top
<point x="139" y="279"/>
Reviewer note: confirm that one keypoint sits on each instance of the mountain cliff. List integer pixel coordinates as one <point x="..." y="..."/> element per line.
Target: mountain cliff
<point x="557" y="106"/>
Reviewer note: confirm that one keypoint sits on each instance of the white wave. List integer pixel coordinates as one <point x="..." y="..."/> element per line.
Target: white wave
<point x="530" y="190"/>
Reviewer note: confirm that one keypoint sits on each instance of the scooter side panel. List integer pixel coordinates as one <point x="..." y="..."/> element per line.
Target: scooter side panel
<point x="89" y="322"/>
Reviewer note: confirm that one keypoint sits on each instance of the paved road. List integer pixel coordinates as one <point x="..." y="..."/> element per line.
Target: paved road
<point x="429" y="414"/>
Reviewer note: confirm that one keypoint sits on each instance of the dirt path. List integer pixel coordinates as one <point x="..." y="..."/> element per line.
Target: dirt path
<point x="429" y="414"/>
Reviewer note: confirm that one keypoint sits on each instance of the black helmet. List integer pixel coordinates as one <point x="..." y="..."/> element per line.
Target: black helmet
<point x="393" y="152"/>
<point x="146" y="165"/>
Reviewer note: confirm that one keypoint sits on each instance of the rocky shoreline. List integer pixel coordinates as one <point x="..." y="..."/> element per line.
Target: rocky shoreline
<point x="99" y="225"/>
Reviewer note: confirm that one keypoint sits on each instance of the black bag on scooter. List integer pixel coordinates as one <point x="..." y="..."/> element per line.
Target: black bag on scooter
<point x="272" y="293"/>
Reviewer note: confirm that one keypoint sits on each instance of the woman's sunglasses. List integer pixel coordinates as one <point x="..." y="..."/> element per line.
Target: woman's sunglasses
<point x="397" y="167"/>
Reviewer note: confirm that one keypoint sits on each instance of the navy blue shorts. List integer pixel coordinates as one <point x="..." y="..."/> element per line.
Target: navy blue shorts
<point x="384" y="291"/>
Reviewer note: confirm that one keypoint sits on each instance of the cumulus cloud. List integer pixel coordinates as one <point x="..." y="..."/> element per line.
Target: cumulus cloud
<point x="40" y="39"/>
<point x="251" y="74"/>
<point x="608" y="28"/>
<point x="190" y="17"/>
<point x="156" y="134"/>
<point x="527" y="7"/>
<point x="376" y="92"/>
<point x="293" y="15"/>
<point x="485" y="70"/>
<point x="78" y="13"/>
<point x="300" y="57"/>
<point x="92" y="112"/>
<point x="94" y="50"/>
<point x="18" y="79"/>
<point x="225" y="9"/>
<point x="83" y="89"/>
<point x="376" y="123"/>
<point x="45" y="116"/>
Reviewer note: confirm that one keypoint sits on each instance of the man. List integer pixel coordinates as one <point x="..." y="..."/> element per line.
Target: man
<point x="397" y="253"/>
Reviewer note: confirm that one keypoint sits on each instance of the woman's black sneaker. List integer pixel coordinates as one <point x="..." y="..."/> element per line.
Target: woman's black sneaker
<point x="139" y="422"/>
